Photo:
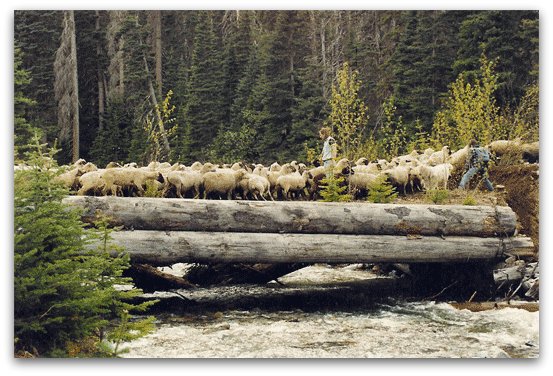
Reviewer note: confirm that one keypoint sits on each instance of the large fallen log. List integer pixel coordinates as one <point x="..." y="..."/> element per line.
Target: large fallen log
<point x="170" y="247"/>
<point x="299" y="217"/>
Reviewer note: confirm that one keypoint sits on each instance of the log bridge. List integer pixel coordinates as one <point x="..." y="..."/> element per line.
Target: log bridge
<point x="159" y="231"/>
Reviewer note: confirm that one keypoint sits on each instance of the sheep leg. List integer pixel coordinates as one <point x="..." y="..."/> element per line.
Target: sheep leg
<point x="180" y="190"/>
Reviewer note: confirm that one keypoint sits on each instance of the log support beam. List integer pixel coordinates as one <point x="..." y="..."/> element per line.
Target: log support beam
<point x="170" y="247"/>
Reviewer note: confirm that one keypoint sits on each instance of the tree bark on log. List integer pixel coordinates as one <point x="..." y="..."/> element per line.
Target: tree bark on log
<point x="170" y="247"/>
<point x="299" y="217"/>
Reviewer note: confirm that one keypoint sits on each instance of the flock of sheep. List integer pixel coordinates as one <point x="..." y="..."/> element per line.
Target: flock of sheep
<point x="408" y="173"/>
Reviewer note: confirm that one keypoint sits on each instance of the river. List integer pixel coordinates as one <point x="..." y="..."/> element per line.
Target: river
<point x="316" y="313"/>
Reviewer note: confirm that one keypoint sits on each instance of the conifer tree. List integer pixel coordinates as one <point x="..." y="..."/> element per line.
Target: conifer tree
<point x="333" y="189"/>
<point x="508" y="36"/>
<point x="64" y="292"/>
<point x="111" y="142"/>
<point x="238" y="47"/>
<point x="37" y="34"/>
<point x="381" y="191"/>
<point x="308" y="113"/>
<point x="204" y="108"/>
<point x="23" y="131"/>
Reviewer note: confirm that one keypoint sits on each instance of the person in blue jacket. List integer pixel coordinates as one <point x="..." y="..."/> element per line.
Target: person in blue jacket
<point x="477" y="162"/>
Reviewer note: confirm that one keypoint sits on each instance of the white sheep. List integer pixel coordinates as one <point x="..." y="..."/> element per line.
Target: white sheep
<point x="259" y="185"/>
<point x="459" y="159"/>
<point x="362" y="162"/>
<point x="315" y="176"/>
<point x="371" y="168"/>
<point x="196" y="166"/>
<point x="500" y="147"/>
<point x="92" y="183"/>
<point x="221" y="182"/>
<point x="437" y="176"/>
<point x="129" y="178"/>
<point x="113" y="165"/>
<point x="291" y="182"/>
<point x="70" y="178"/>
<point x="360" y="182"/>
<point x="184" y="182"/>
<point x="398" y="176"/>
<point x="438" y="157"/>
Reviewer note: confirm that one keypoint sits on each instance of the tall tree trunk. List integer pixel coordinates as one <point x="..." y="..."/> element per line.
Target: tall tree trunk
<point x="156" y="23"/>
<point x="100" y="76"/>
<point x="323" y="59"/>
<point x="115" y="44"/>
<point x="66" y="85"/>
<point x="75" y="91"/>
<point x="157" y="112"/>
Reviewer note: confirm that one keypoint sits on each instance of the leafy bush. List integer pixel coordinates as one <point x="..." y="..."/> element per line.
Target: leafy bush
<point x="381" y="191"/>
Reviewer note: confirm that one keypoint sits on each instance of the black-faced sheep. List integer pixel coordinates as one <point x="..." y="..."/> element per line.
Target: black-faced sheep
<point x="531" y="152"/>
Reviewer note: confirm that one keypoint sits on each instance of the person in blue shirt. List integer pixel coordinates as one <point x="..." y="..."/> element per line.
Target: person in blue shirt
<point x="329" y="148"/>
<point x="477" y="162"/>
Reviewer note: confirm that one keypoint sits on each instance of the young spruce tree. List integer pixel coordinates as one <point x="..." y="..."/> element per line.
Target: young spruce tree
<point x="64" y="291"/>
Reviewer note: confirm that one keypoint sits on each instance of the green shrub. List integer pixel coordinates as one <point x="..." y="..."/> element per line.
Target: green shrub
<point x="64" y="292"/>
<point x="381" y="191"/>
<point x="153" y="189"/>
<point x="437" y="196"/>
<point x="333" y="189"/>
<point x="469" y="200"/>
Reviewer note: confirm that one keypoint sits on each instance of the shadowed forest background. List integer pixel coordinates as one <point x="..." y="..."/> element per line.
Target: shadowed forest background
<point x="136" y="86"/>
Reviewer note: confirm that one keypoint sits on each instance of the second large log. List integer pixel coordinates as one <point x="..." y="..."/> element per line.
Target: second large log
<point x="170" y="247"/>
<point x="299" y="217"/>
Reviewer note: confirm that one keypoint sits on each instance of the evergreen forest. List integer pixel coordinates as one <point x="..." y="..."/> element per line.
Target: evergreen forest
<point x="137" y="86"/>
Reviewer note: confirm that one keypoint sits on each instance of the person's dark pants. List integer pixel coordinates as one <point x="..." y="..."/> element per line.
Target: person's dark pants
<point x="470" y="173"/>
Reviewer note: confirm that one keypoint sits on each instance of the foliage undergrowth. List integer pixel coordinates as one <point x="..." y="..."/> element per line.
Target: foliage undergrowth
<point x="437" y="196"/>
<point x="469" y="200"/>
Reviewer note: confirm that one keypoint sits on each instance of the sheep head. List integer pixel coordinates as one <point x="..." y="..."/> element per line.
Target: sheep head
<point x="362" y="161"/>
